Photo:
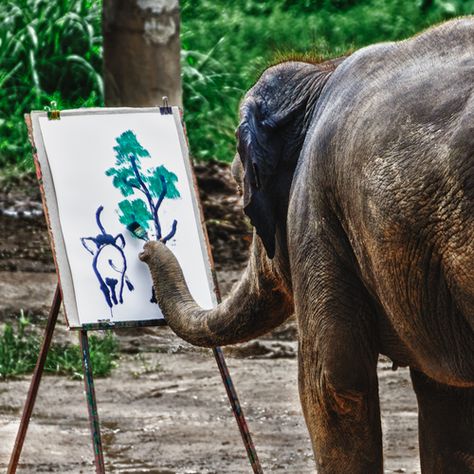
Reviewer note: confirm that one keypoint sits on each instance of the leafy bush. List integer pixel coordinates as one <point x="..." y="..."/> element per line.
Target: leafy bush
<point x="49" y="50"/>
<point x="211" y="96"/>
<point x="227" y="43"/>
<point x="20" y="346"/>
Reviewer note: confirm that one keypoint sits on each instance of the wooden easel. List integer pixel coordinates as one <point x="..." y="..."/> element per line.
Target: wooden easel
<point x="91" y="400"/>
<point x="54" y="114"/>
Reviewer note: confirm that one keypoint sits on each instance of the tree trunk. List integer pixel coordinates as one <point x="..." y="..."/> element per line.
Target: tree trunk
<point x="141" y="52"/>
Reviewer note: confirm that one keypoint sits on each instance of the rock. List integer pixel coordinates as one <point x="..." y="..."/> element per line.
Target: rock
<point x="261" y="349"/>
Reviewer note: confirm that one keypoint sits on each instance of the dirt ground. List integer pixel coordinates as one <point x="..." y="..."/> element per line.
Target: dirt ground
<point x="164" y="409"/>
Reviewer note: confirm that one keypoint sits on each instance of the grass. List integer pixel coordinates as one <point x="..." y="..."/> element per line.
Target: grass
<point x="49" y="50"/>
<point x="238" y="39"/>
<point x="52" y="50"/>
<point x="20" y="345"/>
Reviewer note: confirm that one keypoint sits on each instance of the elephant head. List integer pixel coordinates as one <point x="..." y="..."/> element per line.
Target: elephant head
<point x="275" y="116"/>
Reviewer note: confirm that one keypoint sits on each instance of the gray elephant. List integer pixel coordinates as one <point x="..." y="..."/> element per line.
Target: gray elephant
<point x="358" y="176"/>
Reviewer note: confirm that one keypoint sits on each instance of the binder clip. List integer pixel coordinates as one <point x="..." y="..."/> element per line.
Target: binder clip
<point x="52" y="110"/>
<point x="165" y="109"/>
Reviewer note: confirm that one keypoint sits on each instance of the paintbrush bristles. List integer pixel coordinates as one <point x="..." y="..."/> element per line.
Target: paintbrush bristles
<point x="138" y="231"/>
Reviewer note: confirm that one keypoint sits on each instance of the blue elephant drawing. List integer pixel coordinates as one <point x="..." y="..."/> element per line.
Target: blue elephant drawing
<point x="109" y="263"/>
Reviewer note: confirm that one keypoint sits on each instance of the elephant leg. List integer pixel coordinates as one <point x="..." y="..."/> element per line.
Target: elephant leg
<point x="446" y="426"/>
<point x="338" y="355"/>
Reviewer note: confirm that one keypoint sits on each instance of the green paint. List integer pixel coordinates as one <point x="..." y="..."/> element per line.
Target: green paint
<point x="127" y="144"/>
<point x="135" y="211"/>
<point x="148" y="187"/>
<point x="156" y="186"/>
<point x="123" y="179"/>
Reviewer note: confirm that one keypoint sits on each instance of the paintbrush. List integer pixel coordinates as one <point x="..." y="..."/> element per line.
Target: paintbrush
<point x="138" y="231"/>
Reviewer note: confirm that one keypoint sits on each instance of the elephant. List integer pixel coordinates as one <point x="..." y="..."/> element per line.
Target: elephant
<point x="357" y="175"/>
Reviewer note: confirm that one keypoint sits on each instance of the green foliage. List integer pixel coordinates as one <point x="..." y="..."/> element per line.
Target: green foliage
<point x="104" y="351"/>
<point x="51" y="50"/>
<point x="211" y="92"/>
<point x="227" y="43"/>
<point x="17" y="350"/>
<point x="20" y="346"/>
<point x="123" y="179"/>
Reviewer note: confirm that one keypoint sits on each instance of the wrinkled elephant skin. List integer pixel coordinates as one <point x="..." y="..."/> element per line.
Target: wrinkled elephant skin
<point x="358" y="177"/>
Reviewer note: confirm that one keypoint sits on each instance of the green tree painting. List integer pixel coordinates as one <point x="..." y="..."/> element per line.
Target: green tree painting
<point x="144" y="190"/>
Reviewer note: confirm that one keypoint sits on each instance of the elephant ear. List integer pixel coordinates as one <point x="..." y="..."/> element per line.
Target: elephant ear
<point x="260" y="149"/>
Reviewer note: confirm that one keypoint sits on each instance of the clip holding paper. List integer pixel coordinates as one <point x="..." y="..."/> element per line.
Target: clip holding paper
<point x="52" y="110"/>
<point x="165" y="109"/>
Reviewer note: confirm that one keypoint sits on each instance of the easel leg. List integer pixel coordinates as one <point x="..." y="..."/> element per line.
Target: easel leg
<point x="236" y="408"/>
<point x="91" y="404"/>
<point x="35" y="382"/>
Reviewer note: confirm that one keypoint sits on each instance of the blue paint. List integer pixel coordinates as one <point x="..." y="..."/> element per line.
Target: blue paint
<point x="171" y="233"/>
<point x="111" y="285"/>
<point x="157" y="206"/>
<point x="153" y="295"/>
<point x="154" y="207"/>
<point x="145" y="189"/>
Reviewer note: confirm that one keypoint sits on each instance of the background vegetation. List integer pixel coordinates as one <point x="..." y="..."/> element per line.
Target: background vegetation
<point x="20" y="346"/>
<point x="51" y="49"/>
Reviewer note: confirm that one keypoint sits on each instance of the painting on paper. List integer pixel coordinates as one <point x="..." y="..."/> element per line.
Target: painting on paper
<point x="120" y="180"/>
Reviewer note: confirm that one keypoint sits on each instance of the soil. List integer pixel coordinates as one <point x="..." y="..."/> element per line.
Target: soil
<point x="164" y="409"/>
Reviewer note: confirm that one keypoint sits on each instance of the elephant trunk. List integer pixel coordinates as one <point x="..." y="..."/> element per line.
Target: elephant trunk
<point x="258" y="302"/>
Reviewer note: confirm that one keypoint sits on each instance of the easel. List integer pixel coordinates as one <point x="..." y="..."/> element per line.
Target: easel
<point x="91" y="400"/>
<point x="54" y="114"/>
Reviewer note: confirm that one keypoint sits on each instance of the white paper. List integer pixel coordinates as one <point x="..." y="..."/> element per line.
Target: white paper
<point x="80" y="149"/>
